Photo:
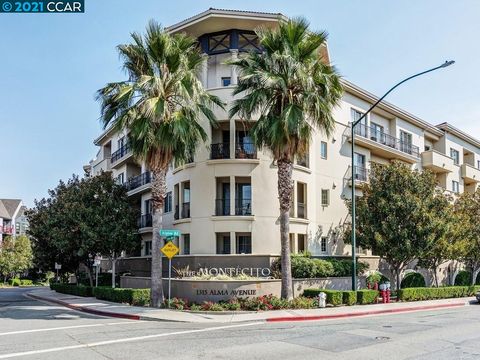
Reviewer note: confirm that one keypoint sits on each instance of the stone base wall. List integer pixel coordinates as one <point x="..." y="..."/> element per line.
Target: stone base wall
<point x="216" y="290"/>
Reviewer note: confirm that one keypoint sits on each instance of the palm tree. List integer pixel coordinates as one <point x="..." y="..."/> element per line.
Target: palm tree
<point x="293" y="91"/>
<point x="160" y="106"/>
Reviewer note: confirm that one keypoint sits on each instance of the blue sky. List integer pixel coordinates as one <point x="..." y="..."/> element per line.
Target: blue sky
<point x="52" y="64"/>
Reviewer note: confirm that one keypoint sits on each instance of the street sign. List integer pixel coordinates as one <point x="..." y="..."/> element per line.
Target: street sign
<point x="170" y="250"/>
<point x="58" y="266"/>
<point x="169" y="233"/>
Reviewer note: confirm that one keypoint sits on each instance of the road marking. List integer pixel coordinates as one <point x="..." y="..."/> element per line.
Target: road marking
<point x="116" y="341"/>
<point x="68" y="327"/>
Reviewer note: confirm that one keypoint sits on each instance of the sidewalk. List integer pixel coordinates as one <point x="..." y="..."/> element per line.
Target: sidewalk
<point x="105" y="308"/>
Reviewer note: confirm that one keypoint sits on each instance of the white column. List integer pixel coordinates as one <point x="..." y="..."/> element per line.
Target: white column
<point x="204" y="73"/>
<point x="295" y="197"/>
<point x="233" y="69"/>
<point x="233" y="243"/>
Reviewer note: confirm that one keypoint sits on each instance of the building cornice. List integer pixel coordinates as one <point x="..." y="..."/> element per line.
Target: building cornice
<point x="104" y="135"/>
<point x="448" y="128"/>
<point x="386" y="106"/>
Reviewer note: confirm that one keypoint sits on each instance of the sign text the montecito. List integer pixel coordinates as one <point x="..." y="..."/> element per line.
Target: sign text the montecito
<point x="229" y="271"/>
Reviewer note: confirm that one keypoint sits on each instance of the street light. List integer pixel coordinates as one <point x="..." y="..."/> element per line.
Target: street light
<point x="354" y="123"/>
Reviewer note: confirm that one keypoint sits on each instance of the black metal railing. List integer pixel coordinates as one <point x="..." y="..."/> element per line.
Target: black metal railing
<point x="243" y="206"/>
<point x="244" y="150"/>
<point x="186" y="210"/>
<point x="140" y="180"/>
<point x="359" y="173"/>
<point x="301" y="210"/>
<point x="222" y="207"/>
<point x="385" y="139"/>
<point x="176" y="214"/>
<point x="121" y="152"/>
<point x="145" y="221"/>
<point x="220" y="151"/>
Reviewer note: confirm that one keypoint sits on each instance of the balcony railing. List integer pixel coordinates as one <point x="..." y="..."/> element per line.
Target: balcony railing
<point x="121" y="152"/>
<point x="140" y="180"/>
<point x="144" y="221"/>
<point x="243" y="207"/>
<point x="385" y="139"/>
<point x="222" y="207"/>
<point x="359" y="173"/>
<point x="245" y="150"/>
<point x="301" y="210"/>
<point x="220" y="151"/>
<point x="186" y="210"/>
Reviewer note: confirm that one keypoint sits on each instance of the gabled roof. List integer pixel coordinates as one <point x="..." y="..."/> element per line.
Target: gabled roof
<point x="9" y="207"/>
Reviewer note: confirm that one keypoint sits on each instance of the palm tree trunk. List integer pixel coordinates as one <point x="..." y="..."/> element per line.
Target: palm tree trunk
<point x="285" y="191"/>
<point x="158" y="196"/>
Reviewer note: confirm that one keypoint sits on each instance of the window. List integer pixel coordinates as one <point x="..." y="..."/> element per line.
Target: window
<point x="455" y="186"/>
<point x="223" y="244"/>
<point x="148" y="206"/>
<point x="427" y="148"/>
<point x="301" y="243"/>
<point x="455" y="155"/>
<point x="323" y="150"/>
<point x="244" y="244"/>
<point x="361" y="128"/>
<point x="377" y="133"/>
<point x="478" y="164"/>
<point x="148" y="248"/>
<point x="120" y="179"/>
<point x="325" y="197"/>
<point x="226" y="81"/>
<point x="186" y="244"/>
<point x="323" y="244"/>
<point x="121" y="142"/>
<point x="167" y="205"/>
<point x="360" y="173"/>
<point x="405" y="142"/>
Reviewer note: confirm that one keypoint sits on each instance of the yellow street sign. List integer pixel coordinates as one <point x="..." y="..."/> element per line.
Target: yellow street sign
<point x="170" y="250"/>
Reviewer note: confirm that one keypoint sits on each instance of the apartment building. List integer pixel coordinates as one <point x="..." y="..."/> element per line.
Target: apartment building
<point x="225" y="201"/>
<point x="12" y="218"/>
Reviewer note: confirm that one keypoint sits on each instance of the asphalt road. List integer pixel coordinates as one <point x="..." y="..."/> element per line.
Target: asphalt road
<point x="31" y="329"/>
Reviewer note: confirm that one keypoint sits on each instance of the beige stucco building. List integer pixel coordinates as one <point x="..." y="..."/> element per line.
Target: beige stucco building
<point x="225" y="200"/>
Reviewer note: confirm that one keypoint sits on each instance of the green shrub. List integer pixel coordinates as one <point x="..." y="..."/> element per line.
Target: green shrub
<point x="305" y="267"/>
<point x="14" y="282"/>
<point x="349" y="297"/>
<point x="417" y="294"/>
<point x="303" y="303"/>
<point x="367" y="296"/>
<point x="176" y="303"/>
<point x="26" y="282"/>
<point x="77" y="290"/>
<point x="195" y="307"/>
<point x="463" y="278"/>
<point x="334" y="297"/>
<point x="136" y="297"/>
<point x="231" y="305"/>
<point x="412" y="280"/>
<point x="376" y="278"/>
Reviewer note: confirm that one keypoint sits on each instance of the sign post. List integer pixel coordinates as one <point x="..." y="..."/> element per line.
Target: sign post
<point x="58" y="267"/>
<point x="169" y="250"/>
<point x="96" y="263"/>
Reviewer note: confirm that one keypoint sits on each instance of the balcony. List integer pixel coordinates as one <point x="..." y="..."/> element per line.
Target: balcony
<point x="384" y="145"/>
<point x="144" y="221"/>
<point x="360" y="175"/>
<point x="243" y="207"/>
<point x="186" y="210"/>
<point x="437" y="162"/>
<point x="470" y="174"/>
<point x="222" y="207"/>
<point x="245" y="151"/>
<point x="220" y="151"/>
<point x="122" y="152"/>
<point x="138" y="181"/>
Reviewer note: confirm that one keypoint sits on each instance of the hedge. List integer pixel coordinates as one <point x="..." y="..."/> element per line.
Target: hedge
<point x="334" y="297"/>
<point x="412" y="280"/>
<point x="417" y="294"/>
<point x="367" y="296"/>
<point x="78" y="290"/>
<point x="140" y="297"/>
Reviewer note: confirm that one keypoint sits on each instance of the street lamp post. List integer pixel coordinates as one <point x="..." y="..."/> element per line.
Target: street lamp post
<point x="354" y="123"/>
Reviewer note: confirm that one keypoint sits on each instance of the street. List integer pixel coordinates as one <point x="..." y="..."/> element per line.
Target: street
<point x="31" y="329"/>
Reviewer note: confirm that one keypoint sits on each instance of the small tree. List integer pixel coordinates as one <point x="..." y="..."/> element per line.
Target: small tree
<point x="397" y="216"/>
<point x="15" y="256"/>
<point x="82" y="218"/>
<point x="467" y="209"/>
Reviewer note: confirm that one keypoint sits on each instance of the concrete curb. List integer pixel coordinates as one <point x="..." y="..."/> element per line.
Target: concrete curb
<point x="363" y="313"/>
<point x="86" y="309"/>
